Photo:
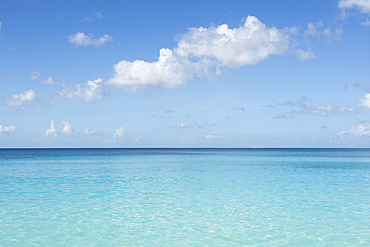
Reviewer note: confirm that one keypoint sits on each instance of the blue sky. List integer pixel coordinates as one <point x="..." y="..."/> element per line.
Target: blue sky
<point x="185" y="73"/>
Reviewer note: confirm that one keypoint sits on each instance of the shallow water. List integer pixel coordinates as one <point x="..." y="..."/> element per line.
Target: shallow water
<point x="184" y="197"/>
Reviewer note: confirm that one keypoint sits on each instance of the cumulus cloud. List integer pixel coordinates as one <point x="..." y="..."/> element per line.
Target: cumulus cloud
<point x="4" y="130"/>
<point x="34" y="75"/>
<point x="81" y="38"/>
<point x="67" y="129"/>
<point x="183" y="125"/>
<point x="364" y="102"/>
<point x="361" y="5"/>
<point x="18" y="99"/>
<point x="89" y="91"/>
<point x="119" y="133"/>
<point x="52" y="131"/>
<point x="203" y="52"/>
<point x="48" y="81"/>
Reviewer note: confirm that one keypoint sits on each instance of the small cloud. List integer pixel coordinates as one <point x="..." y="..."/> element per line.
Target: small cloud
<point x="366" y="23"/>
<point x="284" y="116"/>
<point x="92" y="132"/>
<point x="99" y="14"/>
<point x="92" y="90"/>
<point x="119" y="133"/>
<point x="51" y="132"/>
<point x="323" y="126"/>
<point x="0" y="25"/>
<point x="18" y="99"/>
<point x="364" y="102"/>
<point x="304" y="55"/>
<point x="34" y="75"/>
<point x="187" y="116"/>
<point x="88" y="40"/>
<point x="228" y="117"/>
<point x="209" y="137"/>
<point x="139" y="137"/>
<point x="4" y="130"/>
<point x="183" y="126"/>
<point x="48" y="81"/>
<point x="67" y="129"/>
<point x="155" y="116"/>
<point x="239" y="109"/>
<point x="169" y="111"/>
<point x="86" y="19"/>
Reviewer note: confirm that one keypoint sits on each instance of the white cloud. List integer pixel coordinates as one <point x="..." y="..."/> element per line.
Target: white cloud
<point x="347" y="110"/>
<point x="18" y="99"/>
<point x="315" y="29"/>
<point x="51" y="132"/>
<point x="362" y="5"/>
<point x="86" y="19"/>
<point x="139" y="137"/>
<point x="48" y="81"/>
<point x="0" y="25"/>
<point x="366" y="23"/>
<point x="86" y="40"/>
<point x="34" y="75"/>
<point x="360" y="129"/>
<point x="99" y="14"/>
<point x="67" y="129"/>
<point x="364" y="102"/>
<point x="6" y="129"/>
<point x="119" y="133"/>
<point x="203" y="52"/>
<point x="284" y="116"/>
<point x="87" y="91"/>
<point x="304" y="55"/>
<point x="182" y="126"/>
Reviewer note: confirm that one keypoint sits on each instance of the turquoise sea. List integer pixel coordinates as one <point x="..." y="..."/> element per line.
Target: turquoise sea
<point x="184" y="197"/>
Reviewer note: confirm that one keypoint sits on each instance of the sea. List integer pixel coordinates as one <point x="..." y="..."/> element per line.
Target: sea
<point x="184" y="197"/>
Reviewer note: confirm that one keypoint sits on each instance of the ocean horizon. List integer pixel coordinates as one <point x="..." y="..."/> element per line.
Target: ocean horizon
<point x="184" y="196"/>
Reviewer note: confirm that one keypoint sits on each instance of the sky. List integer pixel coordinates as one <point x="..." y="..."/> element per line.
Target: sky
<point x="165" y="73"/>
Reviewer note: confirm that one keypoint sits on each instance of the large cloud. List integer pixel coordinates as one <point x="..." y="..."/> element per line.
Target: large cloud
<point x="81" y="38"/>
<point x="202" y="52"/>
<point x="18" y="99"/>
<point x="365" y="101"/>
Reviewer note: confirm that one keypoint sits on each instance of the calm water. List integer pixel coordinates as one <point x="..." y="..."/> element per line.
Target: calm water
<point x="185" y="197"/>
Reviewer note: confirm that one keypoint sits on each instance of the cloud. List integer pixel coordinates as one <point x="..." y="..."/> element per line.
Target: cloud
<point x="51" y="132"/>
<point x="119" y="133"/>
<point x="323" y="126"/>
<point x="284" y="116"/>
<point x="139" y="137"/>
<point x="67" y="129"/>
<point x="4" y="130"/>
<point x="202" y="52"/>
<point x="361" y="5"/>
<point x="182" y="126"/>
<point x="360" y="129"/>
<point x="48" y="81"/>
<point x="316" y="30"/>
<point x="88" y="40"/>
<point x="366" y="23"/>
<point x="92" y="90"/>
<point x="239" y="109"/>
<point x="99" y="14"/>
<point x="86" y="19"/>
<point x="364" y="102"/>
<point x="208" y="136"/>
<point x="169" y="111"/>
<point x="92" y="132"/>
<point x="18" y="99"/>
<point x="305" y="106"/>
<point x="0" y="25"/>
<point x="34" y="75"/>
<point x="304" y="55"/>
